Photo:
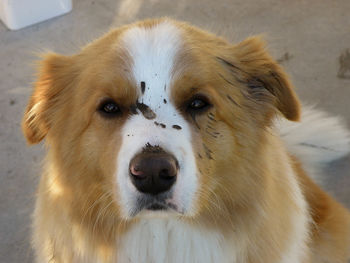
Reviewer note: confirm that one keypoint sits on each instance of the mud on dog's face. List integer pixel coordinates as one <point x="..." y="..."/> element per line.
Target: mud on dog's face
<point x="158" y="114"/>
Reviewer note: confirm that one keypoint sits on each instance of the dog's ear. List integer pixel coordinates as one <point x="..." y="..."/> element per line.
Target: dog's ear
<point x="261" y="73"/>
<point x="48" y="92"/>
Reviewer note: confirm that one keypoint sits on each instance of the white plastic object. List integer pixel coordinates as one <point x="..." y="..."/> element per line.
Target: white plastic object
<point x="17" y="14"/>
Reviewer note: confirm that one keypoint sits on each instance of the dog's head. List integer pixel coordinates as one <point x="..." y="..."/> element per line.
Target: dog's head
<point x="163" y="118"/>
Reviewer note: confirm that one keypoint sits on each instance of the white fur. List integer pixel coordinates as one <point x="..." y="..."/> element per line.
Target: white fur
<point x="316" y="140"/>
<point x="173" y="241"/>
<point x="153" y="52"/>
<point x="296" y="251"/>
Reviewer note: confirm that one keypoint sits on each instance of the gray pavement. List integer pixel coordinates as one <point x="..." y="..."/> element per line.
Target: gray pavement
<point x="308" y="37"/>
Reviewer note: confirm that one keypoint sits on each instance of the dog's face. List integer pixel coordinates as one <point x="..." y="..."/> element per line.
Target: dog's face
<point x="162" y="118"/>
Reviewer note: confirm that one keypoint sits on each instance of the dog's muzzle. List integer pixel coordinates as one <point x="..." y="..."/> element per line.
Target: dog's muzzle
<point x="153" y="172"/>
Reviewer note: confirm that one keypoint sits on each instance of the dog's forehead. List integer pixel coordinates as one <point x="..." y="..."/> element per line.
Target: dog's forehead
<point x="153" y="52"/>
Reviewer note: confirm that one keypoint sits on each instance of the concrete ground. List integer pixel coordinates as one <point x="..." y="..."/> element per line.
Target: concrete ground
<point x="307" y="36"/>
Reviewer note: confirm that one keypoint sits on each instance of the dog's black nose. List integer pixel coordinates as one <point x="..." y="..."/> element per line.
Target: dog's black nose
<point x="153" y="173"/>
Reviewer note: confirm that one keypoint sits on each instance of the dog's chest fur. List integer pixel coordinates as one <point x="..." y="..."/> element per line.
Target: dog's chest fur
<point x="164" y="240"/>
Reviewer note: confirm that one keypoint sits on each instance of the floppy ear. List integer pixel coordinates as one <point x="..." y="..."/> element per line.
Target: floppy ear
<point x="261" y="73"/>
<point x="47" y="94"/>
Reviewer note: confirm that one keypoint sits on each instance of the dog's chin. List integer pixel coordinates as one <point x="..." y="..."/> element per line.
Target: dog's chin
<point x="157" y="212"/>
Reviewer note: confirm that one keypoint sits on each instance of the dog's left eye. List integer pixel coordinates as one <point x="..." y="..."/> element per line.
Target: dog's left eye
<point x="109" y="108"/>
<point x="197" y="104"/>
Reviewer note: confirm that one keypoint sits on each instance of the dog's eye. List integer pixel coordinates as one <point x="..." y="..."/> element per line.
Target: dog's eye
<point x="198" y="104"/>
<point x="109" y="108"/>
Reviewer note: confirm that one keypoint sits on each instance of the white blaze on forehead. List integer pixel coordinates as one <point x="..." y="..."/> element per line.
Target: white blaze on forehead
<point x="153" y="52"/>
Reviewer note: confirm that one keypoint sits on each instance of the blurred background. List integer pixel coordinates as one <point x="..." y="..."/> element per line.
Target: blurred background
<point x="310" y="38"/>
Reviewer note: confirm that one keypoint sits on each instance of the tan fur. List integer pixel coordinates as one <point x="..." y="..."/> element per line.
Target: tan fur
<point x="245" y="189"/>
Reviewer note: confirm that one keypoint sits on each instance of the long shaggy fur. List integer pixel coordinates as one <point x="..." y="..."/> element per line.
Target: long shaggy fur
<point x="243" y="191"/>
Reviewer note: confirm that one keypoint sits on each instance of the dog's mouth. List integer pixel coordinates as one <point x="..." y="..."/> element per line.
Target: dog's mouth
<point x="160" y="203"/>
<point x="156" y="207"/>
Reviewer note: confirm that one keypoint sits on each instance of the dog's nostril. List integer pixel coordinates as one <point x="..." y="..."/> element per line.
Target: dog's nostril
<point x="137" y="172"/>
<point x="164" y="173"/>
<point x="153" y="173"/>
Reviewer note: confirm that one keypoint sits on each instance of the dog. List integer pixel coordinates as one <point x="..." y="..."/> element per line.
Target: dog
<point x="167" y="143"/>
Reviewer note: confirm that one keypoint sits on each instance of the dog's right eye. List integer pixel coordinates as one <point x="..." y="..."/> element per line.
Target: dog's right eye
<point x="109" y="108"/>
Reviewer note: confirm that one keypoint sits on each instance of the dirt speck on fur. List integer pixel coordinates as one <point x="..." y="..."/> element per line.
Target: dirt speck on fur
<point x="146" y="111"/>
<point x="143" y="86"/>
